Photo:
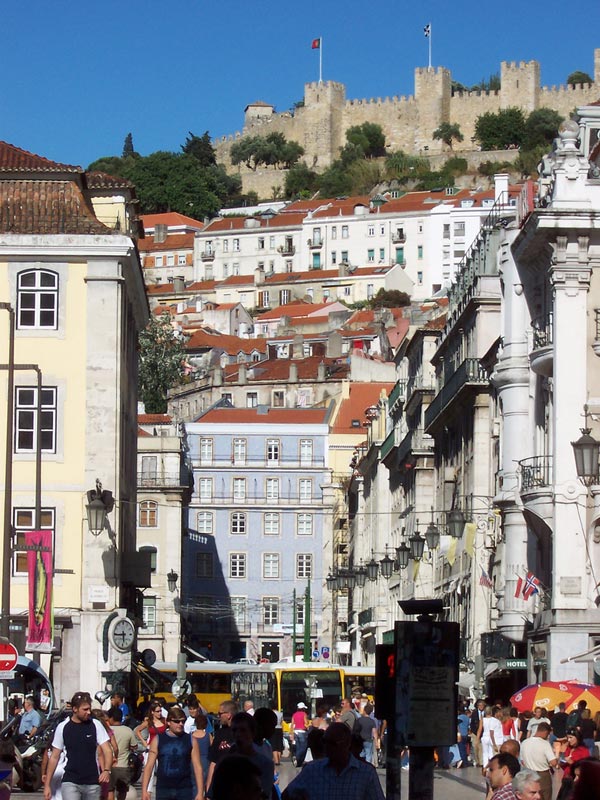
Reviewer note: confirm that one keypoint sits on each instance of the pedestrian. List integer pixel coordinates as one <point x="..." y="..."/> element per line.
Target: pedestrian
<point x="538" y="716"/>
<point x="559" y="729"/>
<point x="277" y="738"/>
<point x="490" y="736"/>
<point x="222" y="740"/>
<point x="501" y="769"/>
<point x="588" y="780"/>
<point x="476" y="717"/>
<point x="81" y="736"/>
<point x="193" y="709"/>
<point x="30" y="719"/>
<point x="299" y="732"/>
<point x="126" y="742"/>
<point x="537" y="755"/>
<point x="202" y="739"/>
<point x="118" y="700"/>
<point x="154" y="723"/>
<point x="462" y="732"/>
<point x="366" y="727"/>
<point x="249" y="707"/>
<point x="348" y="717"/>
<point x="176" y="760"/>
<point x="338" y="775"/>
<point x="526" y="785"/>
<point x="8" y="762"/>
<point x="237" y="778"/>
<point x="575" y="751"/>
<point x="243" y="728"/>
<point x="588" y="730"/>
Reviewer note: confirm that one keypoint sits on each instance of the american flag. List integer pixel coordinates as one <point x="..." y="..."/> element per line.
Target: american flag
<point x="485" y="579"/>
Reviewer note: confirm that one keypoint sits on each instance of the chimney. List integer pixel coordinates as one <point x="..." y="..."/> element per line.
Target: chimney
<point x="500" y="186"/>
<point x="160" y="233"/>
<point x="259" y="276"/>
<point x="322" y="371"/>
<point x="342" y="269"/>
<point x="218" y="376"/>
<point x="178" y="284"/>
<point x="298" y="346"/>
<point x="293" y="373"/>
<point x="242" y="375"/>
<point x="334" y="345"/>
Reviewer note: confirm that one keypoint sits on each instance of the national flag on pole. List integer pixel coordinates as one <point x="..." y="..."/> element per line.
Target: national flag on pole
<point x="519" y="587"/>
<point x="485" y="579"/>
<point x="316" y="44"/>
<point x="426" y="31"/>
<point x="531" y="586"/>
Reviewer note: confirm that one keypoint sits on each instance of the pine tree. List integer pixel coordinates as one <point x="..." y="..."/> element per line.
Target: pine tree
<point x="128" y="146"/>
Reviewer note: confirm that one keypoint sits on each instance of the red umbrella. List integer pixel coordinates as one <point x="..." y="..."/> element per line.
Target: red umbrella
<point x="546" y="695"/>
<point x="587" y="692"/>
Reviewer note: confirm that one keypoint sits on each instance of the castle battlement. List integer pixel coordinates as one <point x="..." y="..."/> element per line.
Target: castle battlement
<point x="460" y="95"/>
<point x="315" y="85"/>
<point x="431" y="70"/>
<point x="510" y="66"/>
<point x="379" y="101"/>
<point x="568" y="88"/>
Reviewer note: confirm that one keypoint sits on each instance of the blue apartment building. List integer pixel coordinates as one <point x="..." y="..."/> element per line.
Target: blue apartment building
<point x="260" y="511"/>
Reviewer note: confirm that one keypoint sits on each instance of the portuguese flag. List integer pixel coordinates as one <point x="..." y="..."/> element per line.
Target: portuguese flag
<point x="316" y="44"/>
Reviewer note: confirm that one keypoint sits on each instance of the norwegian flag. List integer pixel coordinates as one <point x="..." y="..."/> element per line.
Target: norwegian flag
<point x="531" y="586"/>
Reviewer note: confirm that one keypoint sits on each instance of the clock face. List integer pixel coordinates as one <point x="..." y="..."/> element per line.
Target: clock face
<point x="123" y="634"/>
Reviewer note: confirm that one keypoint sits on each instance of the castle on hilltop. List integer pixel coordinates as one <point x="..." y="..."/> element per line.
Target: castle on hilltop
<point x="408" y="122"/>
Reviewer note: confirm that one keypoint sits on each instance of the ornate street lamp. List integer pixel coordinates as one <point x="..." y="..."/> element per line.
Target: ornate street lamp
<point x="456" y="523"/>
<point x="331" y="582"/>
<point x="172" y="578"/>
<point x="417" y="545"/>
<point x="372" y="569"/>
<point x="361" y="576"/>
<point x="100" y="504"/>
<point x="432" y="534"/>
<point x="387" y="566"/>
<point x="587" y="454"/>
<point x="350" y="579"/>
<point x="402" y="555"/>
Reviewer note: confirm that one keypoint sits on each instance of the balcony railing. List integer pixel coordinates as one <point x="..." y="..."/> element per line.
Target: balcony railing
<point x="415" y="440"/>
<point x="419" y="383"/>
<point x="536" y="472"/>
<point x="157" y="480"/>
<point x="286" y="249"/>
<point x="542" y="331"/>
<point x="399" y="237"/>
<point x="315" y="244"/>
<point x="398" y="394"/>
<point x="207" y="255"/>
<point x="470" y="372"/>
<point x="223" y="499"/>
<point x="258" y="462"/>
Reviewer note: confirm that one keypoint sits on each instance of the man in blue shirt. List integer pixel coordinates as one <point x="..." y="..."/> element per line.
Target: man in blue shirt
<point x="30" y="720"/>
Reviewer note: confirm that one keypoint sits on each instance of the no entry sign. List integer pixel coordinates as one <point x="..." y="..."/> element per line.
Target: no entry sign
<point x="8" y="658"/>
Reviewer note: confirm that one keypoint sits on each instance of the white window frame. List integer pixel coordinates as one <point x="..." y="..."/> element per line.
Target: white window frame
<point x="204" y="523"/>
<point x="239" y="490"/>
<point x="305" y="490"/>
<point x="206" y="450"/>
<point x="238" y="523"/>
<point x="239" y="610"/>
<point x="149" y="616"/>
<point x="148" y="510"/>
<point x="304" y="565"/>
<point x="238" y="564"/>
<point x="272" y="523"/>
<point x="305" y="525"/>
<point x="371" y="230"/>
<point x="270" y="611"/>
<point x="272" y="489"/>
<point x="251" y="399"/>
<point x="21" y="526"/>
<point x="41" y="300"/>
<point x="181" y="260"/>
<point x="205" y="489"/>
<point x="273" y="452"/>
<point x="26" y="419"/>
<point x="240" y="450"/>
<point x="236" y="245"/>
<point x="306" y="452"/>
<point x="271" y="566"/>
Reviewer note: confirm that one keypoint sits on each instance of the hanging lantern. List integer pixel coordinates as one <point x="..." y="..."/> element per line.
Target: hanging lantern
<point x="402" y="555"/>
<point x="456" y="523"/>
<point x="372" y="570"/>
<point x="387" y="566"/>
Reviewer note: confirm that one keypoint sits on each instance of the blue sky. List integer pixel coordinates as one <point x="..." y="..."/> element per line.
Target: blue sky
<point x="79" y="74"/>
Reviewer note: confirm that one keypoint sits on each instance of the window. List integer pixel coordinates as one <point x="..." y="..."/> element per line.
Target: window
<point x="344" y="256"/>
<point x="181" y="260"/>
<point x="304" y="565"/>
<point x="326" y="295"/>
<point x="227" y="396"/>
<point x="272" y="488"/>
<point x="226" y="270"/>
<point x="271" y="524"/>
<point x="333" y="257"/>
<point x="289" y="266"/>
<point x="205" y="522"/>
<point x="279" y="399"/>
<point x="237" y="565"/>
<point x="171" y="260"/>
<point x="310" y="292"/>
<point x="239" y="611"/>
<point x="271" y="243"/>
<point x="261" y="242"/>
<point x="270" y="610"/>
<point x="316" y="260"/>
<point x="344" y="231"/>
<point x="370" y="256"/>
<point x="459" y="228"/>
<point x="158" y="261"/>
<point x="273" y="451"/>
<point x="204" y="565"/>
<point x="305" y="524"/>
<point x="446" y="234"/>
<point x="26" y="419"/>
<point x="316" y="236"/>
<point x="236" y="245"/>
<point x="239" y="489"/>
<point x="238" y="523"/>
<point x="347" y="291"/>
<point x="149" y="616"/>
<point x="206" y="451"/>
<point x="420" y="278"/>
<point x="285" y="295"/>
<point x="24" y="520"/>
<point x="149" y="471"/>
<point x="420" y="226"/>
<point x="305" y="490"/>
<point x="263" y="298"/>
<point x="205" y="489"/>
<point x="236" y="268"/>
<point x="270" y="565"/>
<point x="300" y="612"/>
<point x="239" y="451"/>
<point x="420" y="251"/>
<point x="370" y="291"/>
<point x="208" y="247"/>
<point x="251" y="399"/>
<point x="334" y="232"/>
<point x="371" y="230"/>
<point x="148" y="514"/>
<point x="382" y="230"/>
<point x="225" y="245"/>
<point x="459" y="254"/>
<point x="382" y="253"/>
<point x="399" y="255"/>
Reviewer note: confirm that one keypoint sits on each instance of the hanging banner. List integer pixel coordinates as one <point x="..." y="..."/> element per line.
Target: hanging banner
<point x="40" y="632"/>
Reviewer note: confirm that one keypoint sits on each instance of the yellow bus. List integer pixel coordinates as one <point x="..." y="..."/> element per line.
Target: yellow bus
<point x="210" y="681"/>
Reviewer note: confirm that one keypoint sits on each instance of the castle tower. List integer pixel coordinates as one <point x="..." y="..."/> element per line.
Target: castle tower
<point x="520" y="85"/>
<point x="322" y="122"/>
<point x="597" y="66"/>
<point x="432" y="94"/>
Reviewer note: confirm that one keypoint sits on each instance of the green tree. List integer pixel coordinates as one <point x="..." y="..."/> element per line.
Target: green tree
<point x="400" y="166"/>
<point x="501" y="130"/>
<point x="273" y="150"/>
<point x="455" y="166"/>
<point x="578" y="77"/>
<point x="369" y="137"/>
<point x="335" y="181"/>
<point x="527" y="161"/>
<point x="448" y="132"/>
<point x="541" y="128"/>
<point x="301" y="181"/>
<point x="390" y="298"/>
<point x="160" y="363"/>
<point x="128" y="146"/>
<point x="201" y="148"/>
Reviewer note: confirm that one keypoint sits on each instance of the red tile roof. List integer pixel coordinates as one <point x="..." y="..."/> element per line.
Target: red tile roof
<point x="299" y="308"/>
<point x="102" y="180"/>
<point x="14" y="159"/>
<point x="271" y="416"/>
<point x="142" y="432"/>
<point x="171" y="219"/>
<point x="176" y="241"/>
<point x="362" y="395"/>
<point x="278" y="369"/>
<point x="237" y="224"/>
<point x="154" y="419"/>
<point x="238" y="280"/>
<point x="46" y="207"/>
<point x="206" y="338"/>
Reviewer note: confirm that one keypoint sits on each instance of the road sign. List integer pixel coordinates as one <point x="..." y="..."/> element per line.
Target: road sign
<point x="325" y="652"/>
<point x="8" y="656"/>
<point x="315" y="653"/>
<point x="7" y="676"/>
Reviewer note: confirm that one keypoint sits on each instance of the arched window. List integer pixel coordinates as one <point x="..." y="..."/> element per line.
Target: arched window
<point x="37" y="299"/>
<point x="148" y="514"/>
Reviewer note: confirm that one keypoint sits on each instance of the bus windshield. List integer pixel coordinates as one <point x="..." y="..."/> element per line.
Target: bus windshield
<point x="311" y="687"/>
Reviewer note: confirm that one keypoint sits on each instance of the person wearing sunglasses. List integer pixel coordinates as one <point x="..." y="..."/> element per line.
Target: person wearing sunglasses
<point x="176" y="760"/>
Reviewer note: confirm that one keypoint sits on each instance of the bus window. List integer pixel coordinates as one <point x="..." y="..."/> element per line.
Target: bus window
<point x="309" y="687"/>
<point x="260" y="687"/>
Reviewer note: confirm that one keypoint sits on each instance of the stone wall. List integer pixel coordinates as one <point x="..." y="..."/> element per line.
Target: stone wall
<point x="408" y="122"/>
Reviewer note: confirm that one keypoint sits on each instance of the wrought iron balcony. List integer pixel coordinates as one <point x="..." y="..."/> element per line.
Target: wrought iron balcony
<point x="415" y="440"/>
<point x="158" y="480"/>
<point x="469" y="374"/>
<point x="315" y="244"/>
<point x="286" y="249"/>
<point x="207" y="255"/>
<point x="536" y="472"/>
<point x="397" y="395"/>
<point x="399" y="237"/>
<point x="541" y="357"/>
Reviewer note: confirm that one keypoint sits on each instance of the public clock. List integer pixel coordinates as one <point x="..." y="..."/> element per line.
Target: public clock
<point x="122" y="634"/>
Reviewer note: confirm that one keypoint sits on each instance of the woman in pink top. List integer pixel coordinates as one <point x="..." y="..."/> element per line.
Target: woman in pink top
<point x="299" y="732"/>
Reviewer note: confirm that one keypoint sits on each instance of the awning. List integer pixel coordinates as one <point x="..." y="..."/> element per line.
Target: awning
<point x="589" y="656"/>
<point x="466" y="680"/>
<point x="490" y="668"/>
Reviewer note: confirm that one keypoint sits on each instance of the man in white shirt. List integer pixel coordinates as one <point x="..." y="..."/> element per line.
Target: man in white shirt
<point x="537" y="754"/>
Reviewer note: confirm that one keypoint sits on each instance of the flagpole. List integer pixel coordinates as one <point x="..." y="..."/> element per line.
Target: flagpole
<point x="429" y="37"/>
<point x="321" y="60"/>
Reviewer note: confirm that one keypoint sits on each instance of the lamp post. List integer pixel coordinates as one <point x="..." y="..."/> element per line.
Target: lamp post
<point x="100" y="504"/>
<point x="587" y="453"/>
<point x="172" y="577"/>
<point x="456" y="523"/>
